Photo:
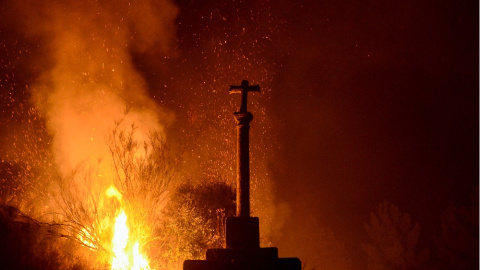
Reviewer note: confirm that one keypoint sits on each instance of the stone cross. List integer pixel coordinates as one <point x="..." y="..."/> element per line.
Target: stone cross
<point x="244" y="89"/>
<point x="242" y="242"/>
<point x="243" y="118"/>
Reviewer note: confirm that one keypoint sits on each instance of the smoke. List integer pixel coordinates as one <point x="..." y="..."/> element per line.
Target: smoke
<point x="90" y="79"/>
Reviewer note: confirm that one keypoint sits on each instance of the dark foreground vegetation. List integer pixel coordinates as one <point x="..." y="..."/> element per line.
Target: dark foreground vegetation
<point x="194" y="221"/>
<point x="28" y="244"/>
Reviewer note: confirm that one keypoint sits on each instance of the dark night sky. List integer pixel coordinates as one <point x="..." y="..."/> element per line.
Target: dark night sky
<point x="363" y="101"/>
<point x="380" y="101"/>
<point x="383" y="105"/>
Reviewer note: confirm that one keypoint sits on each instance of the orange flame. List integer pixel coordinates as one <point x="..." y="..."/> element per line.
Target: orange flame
<point x="124" y="257"/>
<point x="120" y="241"/>
<point x="113" y="192"/>
<point x="139" y="260"/>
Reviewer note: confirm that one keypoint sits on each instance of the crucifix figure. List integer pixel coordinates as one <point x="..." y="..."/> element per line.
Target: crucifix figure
<point x="244" y="89"/>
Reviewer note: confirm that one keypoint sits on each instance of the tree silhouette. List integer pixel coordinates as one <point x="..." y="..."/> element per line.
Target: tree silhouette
<point x="393" y="240"/>
<point x="194" y="220"/>
<point x="458" y="243"/>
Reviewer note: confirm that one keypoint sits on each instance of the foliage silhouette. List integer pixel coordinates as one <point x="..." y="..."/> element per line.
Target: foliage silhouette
<point x="393" y="240"/>
<point x="195" y="220"/>
<point x="458" y="243"/>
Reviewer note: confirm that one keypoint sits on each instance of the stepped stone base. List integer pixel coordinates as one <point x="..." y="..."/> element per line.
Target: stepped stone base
<point x="243" y="251"/>
<point x="276" y="264"/>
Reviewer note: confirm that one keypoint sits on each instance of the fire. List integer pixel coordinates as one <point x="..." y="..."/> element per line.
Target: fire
<point x="84" y="237"/>
<point x="120" y="241"/>
<point x="139" y="261"/>
<point x="113" y="192"/>
<point x="125" y="255"/>
<point x="124" y="258"/>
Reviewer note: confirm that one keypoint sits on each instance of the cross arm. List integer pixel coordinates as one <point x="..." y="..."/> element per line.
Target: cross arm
<point x="238" y="88"/>
<point x="243" y="89"/>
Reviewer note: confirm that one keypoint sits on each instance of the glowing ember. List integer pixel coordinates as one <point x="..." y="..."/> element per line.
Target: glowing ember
<point x="84" y="237"/>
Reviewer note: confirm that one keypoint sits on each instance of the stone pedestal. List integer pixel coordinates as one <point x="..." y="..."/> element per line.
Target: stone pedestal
<point x="243" y="251"/>
<point x="242" y="232"/>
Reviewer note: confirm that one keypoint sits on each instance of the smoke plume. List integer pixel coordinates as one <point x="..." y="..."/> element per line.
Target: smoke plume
<point x="90" y="80"/>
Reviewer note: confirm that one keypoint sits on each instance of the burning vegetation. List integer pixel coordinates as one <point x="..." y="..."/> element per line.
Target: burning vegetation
<point x="89" y="180"/>
<point x="118" y="219"/>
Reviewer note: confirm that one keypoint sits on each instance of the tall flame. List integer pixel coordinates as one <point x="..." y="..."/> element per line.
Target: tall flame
<point x="139" y="260"/>
<point x="120" y="241"/>
<point x="124" y="256"/>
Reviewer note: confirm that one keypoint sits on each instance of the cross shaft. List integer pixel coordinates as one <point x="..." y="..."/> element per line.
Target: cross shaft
<point x="243" y="119"/>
